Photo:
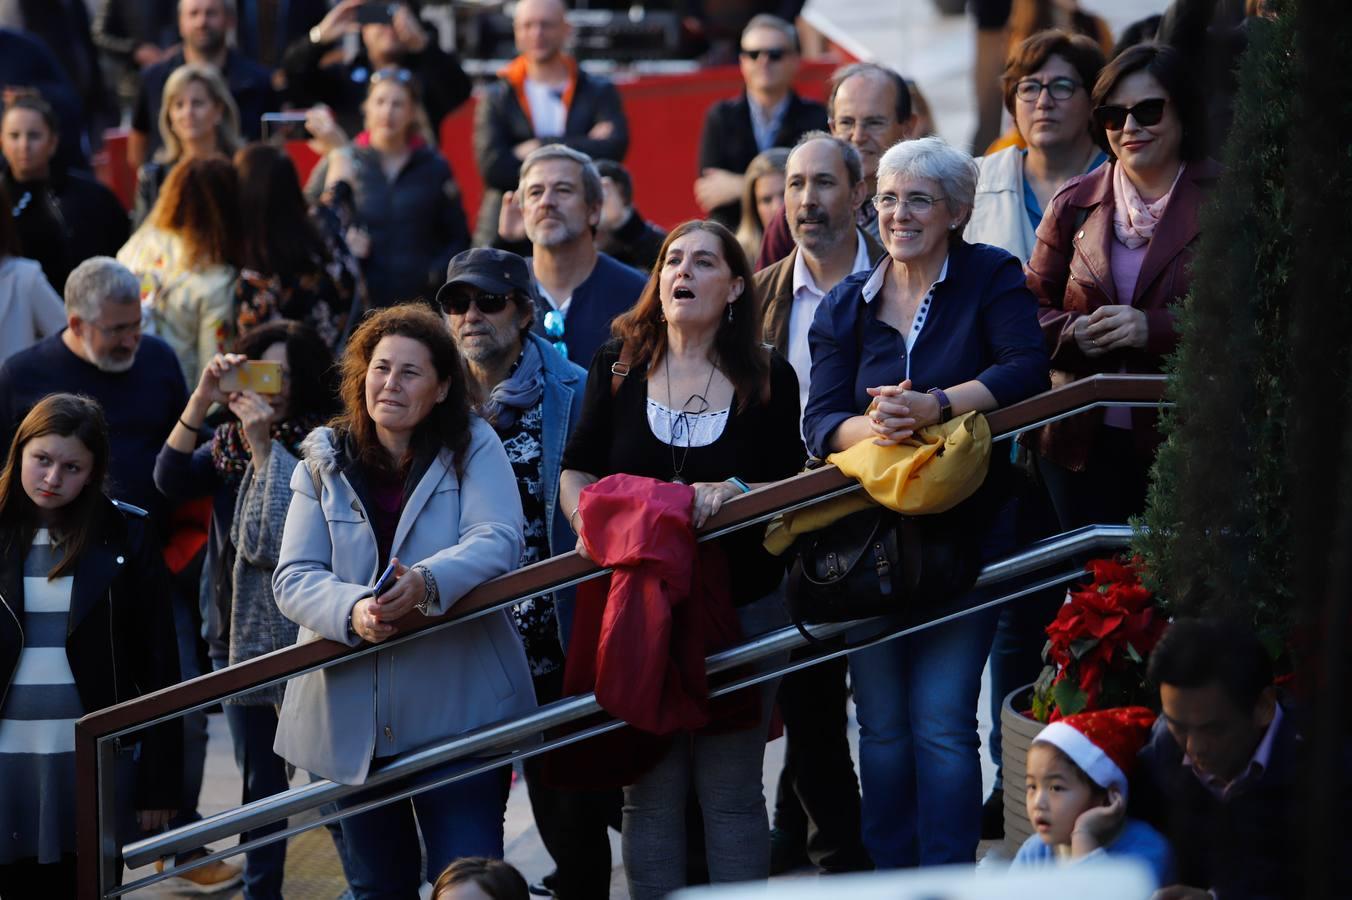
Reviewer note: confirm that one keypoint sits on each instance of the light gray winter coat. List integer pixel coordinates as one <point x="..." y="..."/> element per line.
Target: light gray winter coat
<point x="466" y="530"/>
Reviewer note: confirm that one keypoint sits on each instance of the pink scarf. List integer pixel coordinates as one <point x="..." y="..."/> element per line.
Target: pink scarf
<point x="1134" y="220"/>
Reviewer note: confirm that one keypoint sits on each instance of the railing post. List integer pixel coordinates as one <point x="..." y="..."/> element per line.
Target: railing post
<point x="96" y="838"/>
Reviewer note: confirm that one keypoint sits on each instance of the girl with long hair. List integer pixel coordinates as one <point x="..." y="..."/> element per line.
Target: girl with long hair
<point x="84" y="624"/>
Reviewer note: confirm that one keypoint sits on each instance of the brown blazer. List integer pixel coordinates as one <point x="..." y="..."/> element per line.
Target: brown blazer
<point x="1070" y="274"/>
<point x="775" y="283"/>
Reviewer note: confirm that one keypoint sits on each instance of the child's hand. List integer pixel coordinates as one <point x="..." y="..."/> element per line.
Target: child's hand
<point x="1096" y="827"/>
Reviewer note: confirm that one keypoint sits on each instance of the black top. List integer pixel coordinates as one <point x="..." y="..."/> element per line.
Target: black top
<point x="760" y="443"/>
<point x="728" y="140"/>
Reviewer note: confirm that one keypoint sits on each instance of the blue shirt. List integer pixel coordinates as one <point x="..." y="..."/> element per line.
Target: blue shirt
<point x="1137" y="840"/>
<point x="982" y="323"/>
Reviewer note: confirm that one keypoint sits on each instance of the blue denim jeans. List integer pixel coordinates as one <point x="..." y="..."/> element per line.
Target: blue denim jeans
<point x="463" y="818"/>
<point x="919" y="751"/>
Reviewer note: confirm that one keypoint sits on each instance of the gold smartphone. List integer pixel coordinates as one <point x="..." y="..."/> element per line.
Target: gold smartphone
<point x="259" y="376"/>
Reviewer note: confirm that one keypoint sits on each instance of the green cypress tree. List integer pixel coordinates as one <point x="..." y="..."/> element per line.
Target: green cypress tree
<point x="1218" y="509"/>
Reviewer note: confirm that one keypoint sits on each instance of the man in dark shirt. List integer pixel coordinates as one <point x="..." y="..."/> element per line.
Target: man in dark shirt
<point x="204" y="26"/>
<point x="623" y="232"/>
<point x="1221" y="775"/>
<point x="102" y="353"/>
<point x="579" y="290"/>
<point x="767" y="114"/>
<point x="532" y="398"/>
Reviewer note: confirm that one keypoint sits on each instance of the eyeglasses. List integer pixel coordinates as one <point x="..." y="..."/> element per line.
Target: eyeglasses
<point x="116" y="332"/>
<point x="392" y="73"/>
<point x="489" y="304"/>
<point x="1146" y="113"/>
<point x="1030" y="89"/>
<point x="554" y="321"/>
<point x="773" y="54"/>
<point x="872" y="125"/>
<point x="918" y="204"/>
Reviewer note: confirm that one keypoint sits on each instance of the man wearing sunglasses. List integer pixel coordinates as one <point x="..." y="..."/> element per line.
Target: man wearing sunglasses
<point x="767" y="114"/>
<point x="532" y="396"/>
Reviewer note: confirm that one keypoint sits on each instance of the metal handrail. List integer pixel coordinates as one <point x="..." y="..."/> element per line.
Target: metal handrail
<point x="96" y="732"/>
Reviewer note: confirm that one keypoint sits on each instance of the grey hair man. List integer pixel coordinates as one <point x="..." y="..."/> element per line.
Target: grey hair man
<point x="102" y="353"/>
<point x="869" y="106"/>
<point x="818" y="789"/>
<point x="579" y="289"/>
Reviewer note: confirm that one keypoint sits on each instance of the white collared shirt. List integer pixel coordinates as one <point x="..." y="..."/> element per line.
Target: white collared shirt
<point x="874" y="286"/>
<point x="806" y="298"/>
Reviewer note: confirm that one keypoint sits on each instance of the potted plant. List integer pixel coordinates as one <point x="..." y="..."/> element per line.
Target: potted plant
<point x="1095" y="653"/>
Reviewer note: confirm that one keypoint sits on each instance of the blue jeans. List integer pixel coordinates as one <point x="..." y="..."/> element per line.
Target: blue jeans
<point x="919" y="751"/>
<point x="253" y="729"/>
<point x="463" y="818"/>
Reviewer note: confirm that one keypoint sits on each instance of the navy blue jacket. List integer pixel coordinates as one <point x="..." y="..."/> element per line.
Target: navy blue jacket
<point x="983" y="325"/>
<point x="609" y="290"/>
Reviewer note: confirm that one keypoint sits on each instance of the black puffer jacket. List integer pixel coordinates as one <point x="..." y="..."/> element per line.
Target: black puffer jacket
<point x="120" y="636"/>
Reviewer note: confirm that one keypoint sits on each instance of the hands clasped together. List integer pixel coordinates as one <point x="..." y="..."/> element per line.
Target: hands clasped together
<point x="1108" y="328"/>
<point x="897" y="412"/>
<point x="373" y="618"/>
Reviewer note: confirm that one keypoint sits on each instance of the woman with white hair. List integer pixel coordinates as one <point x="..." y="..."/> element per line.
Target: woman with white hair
<point x="938" y="328"/>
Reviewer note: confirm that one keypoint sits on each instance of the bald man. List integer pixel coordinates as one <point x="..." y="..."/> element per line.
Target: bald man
<point x="541" y="97"/>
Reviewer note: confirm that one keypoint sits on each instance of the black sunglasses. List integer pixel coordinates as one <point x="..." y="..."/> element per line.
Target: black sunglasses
<point x="488" y="304"/>
<point x="774" y="54"/>
<point x="1146" y="113"/>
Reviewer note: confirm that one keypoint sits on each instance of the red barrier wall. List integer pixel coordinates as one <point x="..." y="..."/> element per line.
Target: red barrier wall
<point x="666" y="113"/>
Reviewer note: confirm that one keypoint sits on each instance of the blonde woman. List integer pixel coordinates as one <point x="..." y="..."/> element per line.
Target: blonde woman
<point x="198" y="117"/>
<point x="762" y="198"/>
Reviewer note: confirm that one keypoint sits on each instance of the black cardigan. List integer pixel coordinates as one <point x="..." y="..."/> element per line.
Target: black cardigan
<point x="759" y="443"/>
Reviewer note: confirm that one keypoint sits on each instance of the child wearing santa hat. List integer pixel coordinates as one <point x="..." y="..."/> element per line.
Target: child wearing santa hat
<point x="1077" y="792"/>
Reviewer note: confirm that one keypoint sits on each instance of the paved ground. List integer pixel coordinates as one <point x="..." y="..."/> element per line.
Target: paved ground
<point x="907" y="34"/>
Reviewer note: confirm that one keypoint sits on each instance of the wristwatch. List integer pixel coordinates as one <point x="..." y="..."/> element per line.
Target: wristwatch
<point x="945" y="408"/>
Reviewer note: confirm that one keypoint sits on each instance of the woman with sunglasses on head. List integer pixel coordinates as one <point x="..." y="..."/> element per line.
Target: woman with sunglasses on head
<point x="938" y="328"/>
<point x="1111" y="260"/>
<point x="1046" y="85"/>
<point x="409" y="221"/>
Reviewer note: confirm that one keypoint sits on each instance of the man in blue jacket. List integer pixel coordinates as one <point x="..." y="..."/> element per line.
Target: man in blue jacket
<point x="532" y="396"/>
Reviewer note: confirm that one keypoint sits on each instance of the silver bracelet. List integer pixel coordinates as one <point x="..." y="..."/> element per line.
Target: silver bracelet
<point x="430" y="591"/>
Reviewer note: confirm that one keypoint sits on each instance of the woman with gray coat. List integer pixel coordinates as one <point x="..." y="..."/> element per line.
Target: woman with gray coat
<point x="407" y="476"/>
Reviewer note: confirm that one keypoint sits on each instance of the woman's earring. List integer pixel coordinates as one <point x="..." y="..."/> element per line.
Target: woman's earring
<point x="953" y="227"/>
<point x="729" y="312"/>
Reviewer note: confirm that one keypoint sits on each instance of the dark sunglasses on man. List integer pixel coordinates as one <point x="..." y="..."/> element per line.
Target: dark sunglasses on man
<point x="457" y="302"/>
<point x="773" y="54"/>
<point x="1146" y="113"/>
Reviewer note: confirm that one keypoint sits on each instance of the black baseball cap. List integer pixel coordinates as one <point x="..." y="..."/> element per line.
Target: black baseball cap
<point x="489" y="269"/>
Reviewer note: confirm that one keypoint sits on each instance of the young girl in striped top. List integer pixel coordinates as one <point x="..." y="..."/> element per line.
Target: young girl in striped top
<point x="84" y="623"/>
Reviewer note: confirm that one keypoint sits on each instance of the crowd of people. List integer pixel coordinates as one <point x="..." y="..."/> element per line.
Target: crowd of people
<point x="250" y="412"/>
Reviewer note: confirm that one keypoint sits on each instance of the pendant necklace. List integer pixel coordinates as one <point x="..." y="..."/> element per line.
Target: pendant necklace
<point x="683" y="417"/>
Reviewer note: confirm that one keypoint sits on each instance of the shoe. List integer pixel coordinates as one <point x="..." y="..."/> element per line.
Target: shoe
<point x="544" y="887"/>
<point x="993" y="816"/>
<point x="212" y="878"/>
<point x="786" y="852"/>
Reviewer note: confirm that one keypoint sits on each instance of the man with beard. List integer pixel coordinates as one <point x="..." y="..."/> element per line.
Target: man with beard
<point x="204" y="26"/>
<point x="817" y="806"/>
<point x="532" y="397"/>
<point x="869" y="106"/>
<point x="578" y="288"/>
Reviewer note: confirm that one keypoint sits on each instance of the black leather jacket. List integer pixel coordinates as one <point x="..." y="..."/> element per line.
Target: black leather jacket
<point x="119" y="636"/>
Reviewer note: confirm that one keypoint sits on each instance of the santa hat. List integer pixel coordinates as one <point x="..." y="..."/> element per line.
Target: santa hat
<point x="1103" y="743"/>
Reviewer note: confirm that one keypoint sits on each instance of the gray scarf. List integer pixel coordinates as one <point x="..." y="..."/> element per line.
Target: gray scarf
<point x="518" y="392"/>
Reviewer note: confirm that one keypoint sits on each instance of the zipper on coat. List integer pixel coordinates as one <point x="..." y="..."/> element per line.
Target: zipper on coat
<point x="23" y="640"/>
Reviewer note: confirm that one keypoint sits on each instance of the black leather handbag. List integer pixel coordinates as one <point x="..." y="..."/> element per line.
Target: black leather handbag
<point x="878" y="562"/>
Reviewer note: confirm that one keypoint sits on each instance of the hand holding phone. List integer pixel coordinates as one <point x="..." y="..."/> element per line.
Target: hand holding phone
<point x="386" y="579"/>
<point x="377" y="13"/>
